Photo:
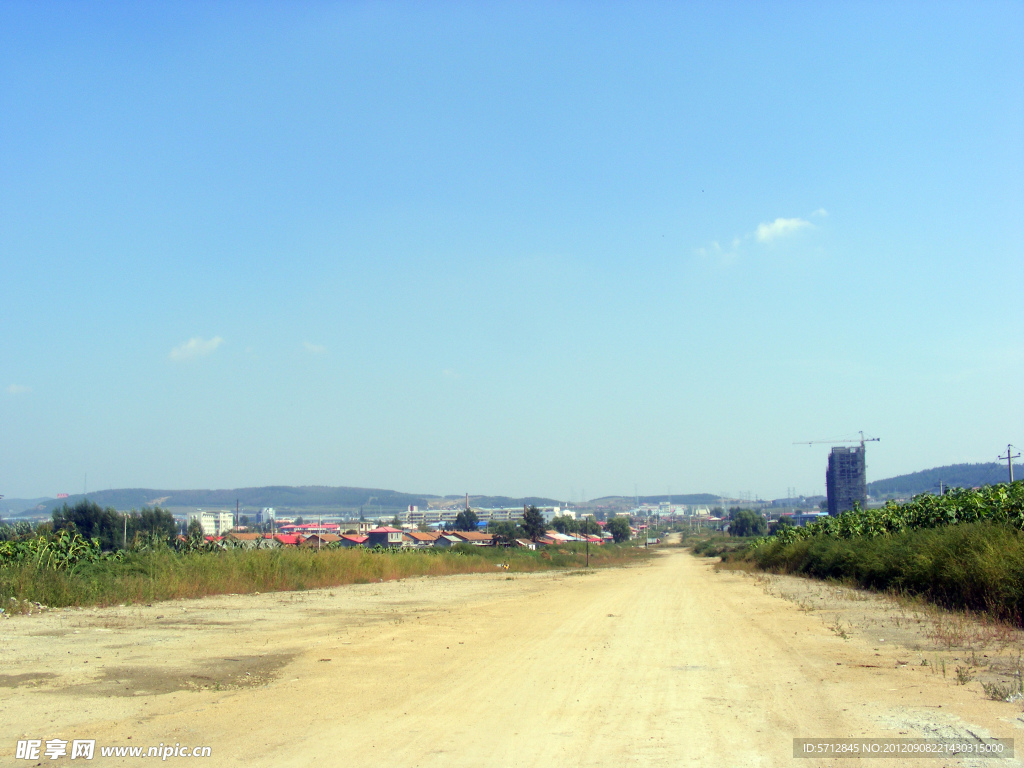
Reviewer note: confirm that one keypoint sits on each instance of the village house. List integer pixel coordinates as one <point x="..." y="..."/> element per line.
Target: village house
<point x="385" y="536"/>
<point x="352" y="540"/>
<point x="320" y="540"/>
<point x="475" y="538"/>
<point x="446" y="540"/>
<point x="419" y="539"/>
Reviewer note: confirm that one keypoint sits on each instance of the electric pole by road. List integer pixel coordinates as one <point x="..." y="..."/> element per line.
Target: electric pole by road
<point x="1009" y="460"/>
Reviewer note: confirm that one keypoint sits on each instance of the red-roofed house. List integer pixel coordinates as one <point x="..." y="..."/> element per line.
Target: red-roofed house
<point x="418" y="539"/>
<point x="352" y="540"/>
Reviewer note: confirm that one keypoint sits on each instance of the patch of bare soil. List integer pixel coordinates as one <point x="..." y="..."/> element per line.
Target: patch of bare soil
<point x="984" y="655"/>
<point x="27" y="680"/>
<point x="210" y="674"/>
<point x="666" y="663"/>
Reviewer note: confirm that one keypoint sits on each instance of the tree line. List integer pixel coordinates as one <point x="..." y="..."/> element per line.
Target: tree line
<point x="115" y="530"/>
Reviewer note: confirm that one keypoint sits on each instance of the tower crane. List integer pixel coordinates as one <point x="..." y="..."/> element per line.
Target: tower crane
<point x="861" y="441"/>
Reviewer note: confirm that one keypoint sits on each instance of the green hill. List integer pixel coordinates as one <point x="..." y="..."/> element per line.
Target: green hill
<point x="492" y="502"/>
<point x="675" y="498"/>
<point x="13" y="507"/>
<point x="281" y="496"/>
<point x="269" y="496"/>
<point x="951" y="476"/>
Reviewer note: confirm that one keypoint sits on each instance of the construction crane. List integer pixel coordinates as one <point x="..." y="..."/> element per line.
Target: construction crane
<point x="861" y="441"/>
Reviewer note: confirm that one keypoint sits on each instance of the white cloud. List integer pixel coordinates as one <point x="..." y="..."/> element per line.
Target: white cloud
<point x="716" y="252"/>
<point x="765" y="233"/>
<point x="18" y="389"/>
<point x="314" y="349"/>
<point x="780" y="228"/>
<point x="195" y="347"/>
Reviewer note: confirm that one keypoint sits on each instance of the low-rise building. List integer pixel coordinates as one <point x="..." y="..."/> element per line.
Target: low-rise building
<point x="352" y="540"/>
<point x="385" y="536"/>
<point x="419" y="539"/>
<point x="475" y="538"/>
<point x="214" y="522"/>
<point x="244" y="540"/>
<point x="320" y="540"/>
<point x="446" y="540"/>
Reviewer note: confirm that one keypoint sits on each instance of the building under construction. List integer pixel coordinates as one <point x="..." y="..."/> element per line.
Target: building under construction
<point x="846" y="479"/>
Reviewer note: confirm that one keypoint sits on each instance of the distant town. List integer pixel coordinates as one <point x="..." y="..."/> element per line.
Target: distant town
<point x="318" y="516"/>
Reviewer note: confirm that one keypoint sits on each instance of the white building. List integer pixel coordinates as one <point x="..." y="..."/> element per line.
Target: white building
<point x="550" y="513"/>
<point x="214" y="522"/>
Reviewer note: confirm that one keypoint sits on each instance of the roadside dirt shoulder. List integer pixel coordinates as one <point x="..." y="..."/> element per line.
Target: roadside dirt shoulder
<point x="666" y="663"/>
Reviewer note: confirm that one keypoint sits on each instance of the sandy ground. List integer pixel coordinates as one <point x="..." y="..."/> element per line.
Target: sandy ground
<point x="666" y="663"/>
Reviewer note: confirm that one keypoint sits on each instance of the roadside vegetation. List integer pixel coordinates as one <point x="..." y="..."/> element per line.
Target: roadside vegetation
<point x="63" y="568"/>
<point x="964" y="549"/>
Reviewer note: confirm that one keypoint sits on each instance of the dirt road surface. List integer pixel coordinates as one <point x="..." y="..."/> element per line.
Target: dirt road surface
<point x="667" y="663"/>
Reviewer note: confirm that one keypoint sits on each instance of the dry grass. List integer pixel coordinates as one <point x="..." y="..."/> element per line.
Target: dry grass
<point x="166" y="575"/>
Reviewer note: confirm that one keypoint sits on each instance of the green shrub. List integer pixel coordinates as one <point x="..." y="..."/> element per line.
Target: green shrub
<point x="977" y="565"/>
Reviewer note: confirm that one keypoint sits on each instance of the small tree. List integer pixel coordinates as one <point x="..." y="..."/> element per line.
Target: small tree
<point x="466" y="520"/>
<point x="533" y="522"/>
<point x="504" y="533"/>
<point x="780" y="525"/>
<point x="747" y="523"/>
<point x="618" y="527"/>
<point x="87" y="518"/>
<point x="563" y="524"/>
<point x="153" y="522"/>
<point x="195" y="530"/>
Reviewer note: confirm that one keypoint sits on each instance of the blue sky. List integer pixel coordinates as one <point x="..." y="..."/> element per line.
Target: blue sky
<point x="523" y="248"/>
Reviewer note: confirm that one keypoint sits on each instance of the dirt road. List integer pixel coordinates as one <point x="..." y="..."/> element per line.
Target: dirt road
<point x="666" y="663"/>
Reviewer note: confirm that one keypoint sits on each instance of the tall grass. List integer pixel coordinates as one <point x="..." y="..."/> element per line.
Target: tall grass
<point x="165" y="574"/>
<point x="978" y="566"/>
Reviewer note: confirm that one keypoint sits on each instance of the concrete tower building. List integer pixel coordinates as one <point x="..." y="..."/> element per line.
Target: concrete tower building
<point x="846" y="479"/>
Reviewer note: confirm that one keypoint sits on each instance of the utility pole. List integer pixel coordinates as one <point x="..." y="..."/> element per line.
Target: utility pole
<point x="1009" y="460"/>
<point x="126" y="530"/>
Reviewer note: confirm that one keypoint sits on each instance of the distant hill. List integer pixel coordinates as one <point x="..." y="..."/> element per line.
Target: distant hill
<point x="490" y="502"/>
<point x="269" y="496"/>
<point x="279" y="496"/>
<point x="682" y="498"/>
<point x="12" y="507"/>
<point x="951" y="476"/>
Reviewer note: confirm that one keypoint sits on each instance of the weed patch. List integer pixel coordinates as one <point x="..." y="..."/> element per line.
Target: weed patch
<point x="164" y="574"/>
